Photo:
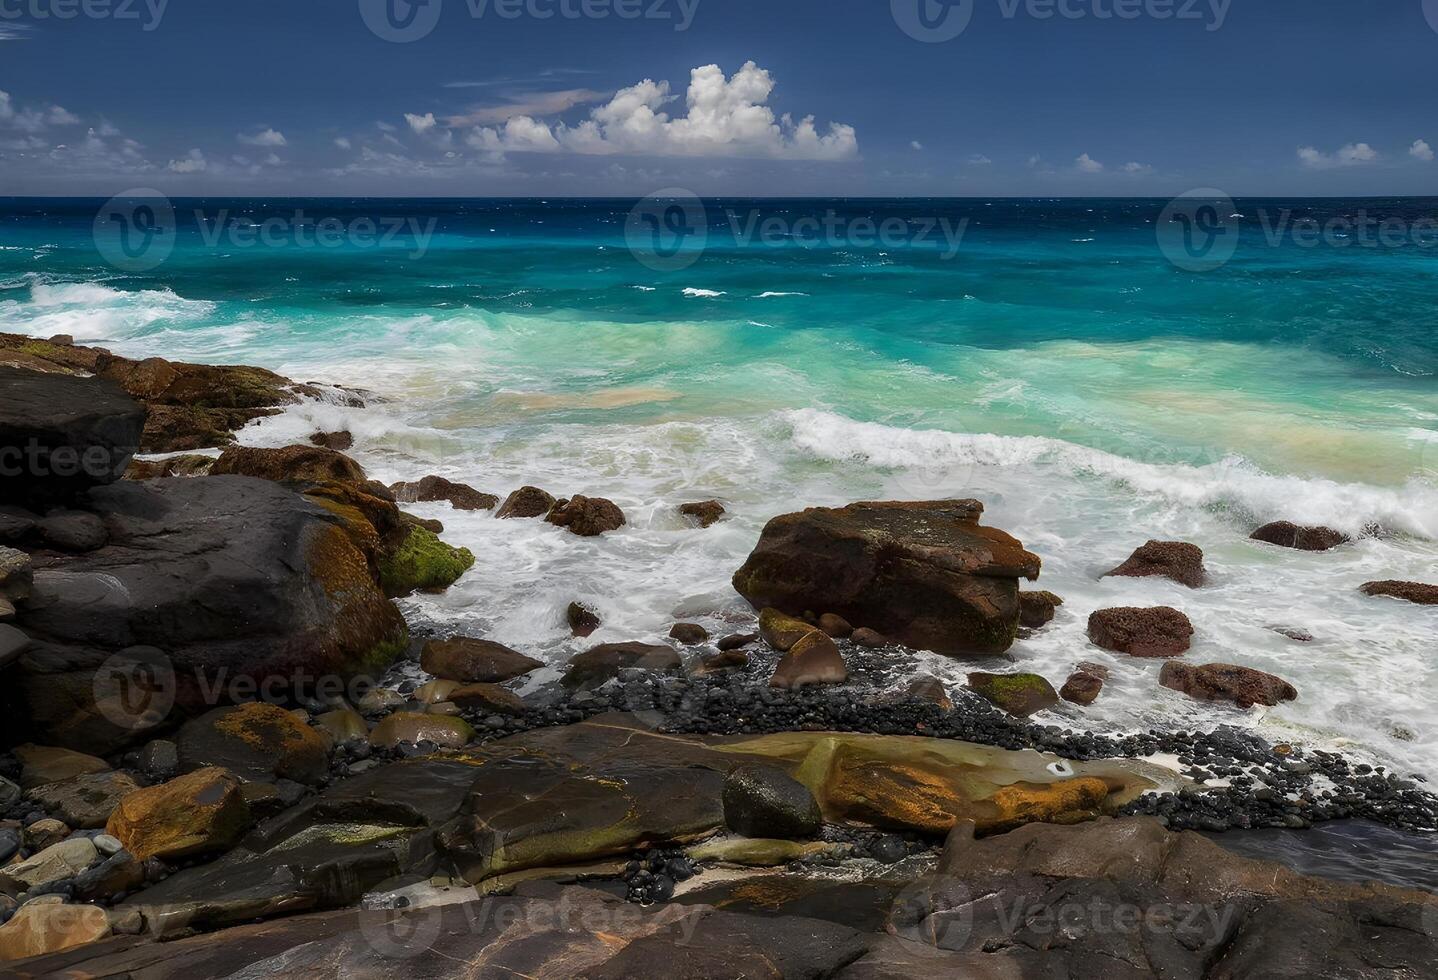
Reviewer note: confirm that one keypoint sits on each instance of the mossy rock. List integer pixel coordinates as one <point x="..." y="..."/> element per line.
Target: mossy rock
<point x="1018" y="694"/>
<point x="423" y="561"/>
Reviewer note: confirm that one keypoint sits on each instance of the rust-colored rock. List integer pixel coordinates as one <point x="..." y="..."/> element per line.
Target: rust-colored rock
<point x="526" y="502"/>
<point x="292" y="464"/>
<point x="40" y="928"/>
<point x="341" y="442"/>
<point x="1177" y="560"/>
<point x="255" y="741"/>
<point x="1082" y="688"/>
<point x="1243" y="686"/>
<point x="1152" y="632"/>
<point x="1423" y="595"/>
<point x="1037" y="609"/>
<point x="202" y="812"/>
<point x="587" y="517"/>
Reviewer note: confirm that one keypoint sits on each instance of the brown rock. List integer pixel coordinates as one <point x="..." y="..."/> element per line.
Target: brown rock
<point x="1082" y="688"/>
<point x="1089" y="667"/>
<point x="1021" y="695"/>
<point x="1423" y="595"/>
<point x="342" y="725"/>
<point x="836" y="626"/>
<point x="1037" y="609"/>
<point x="202" y="812"/>
<point x="689" y="634"/>
<point x="408" y="726"/>
<point x="1288" y="535"/>
<point x="813" y="660"/>
<point x="1153" y="632"/>
<point x="870" y="639"/>
<point x="930" y="689"/>
<point x="780" y="631"/>
<point x="436" y="488"/>
<point x="292" y="464"/>
<point x="583" y="621"/>
<point x="254" y="741"/>
<point x="171" y="466"/>
<point x="925" y="574"/>
<point x="41" y="764"/>
<point x="471" y="661"/>
<point x="489" y="699"/>
<point x="1244" y="686"/>
<point x="705" y="513"/>
<point x="718" y="662"/>
<point x="587" y="517"/>
<point x="85" y="802"/>
<point x="527" y="502"/>
<point x="45" y="833"/>
<point x="1176" y="560"/>
<point x="607" y="660"/>
<point x="340" y="442"/>
<point x="736" y="641"/>
<point x="38" y="929"/>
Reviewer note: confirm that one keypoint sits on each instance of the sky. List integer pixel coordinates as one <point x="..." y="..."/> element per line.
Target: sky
<point x="719" y="97"/>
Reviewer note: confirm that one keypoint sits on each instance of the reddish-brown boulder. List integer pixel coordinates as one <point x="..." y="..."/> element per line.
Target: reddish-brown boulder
<point x="526" y="502"/>
<point x="340" y="442"/>
<point x="583" y="621"/>
<point x="1155" y="632"/>
<point x="704" y="513"/>
<point x="471" y="661"/>
<point x="587" y="517"/>
<point x="1037" y="609"/>
<point x="1244" y="686"/>
<point x="1082" y="688"/>
<point x="437" y="488"/>
<point x="1423" y="595"/>
<point x="292" y="464"/>
<point x="1286" y="534"/>
<point x="1176" y="560"/>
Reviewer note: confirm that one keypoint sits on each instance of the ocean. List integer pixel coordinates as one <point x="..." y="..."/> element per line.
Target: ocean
<point x="1093" y="370"/>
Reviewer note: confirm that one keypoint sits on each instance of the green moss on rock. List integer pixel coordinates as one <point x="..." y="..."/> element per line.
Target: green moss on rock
<point x="1018" y="694"/>
<point x="423" y="561"/>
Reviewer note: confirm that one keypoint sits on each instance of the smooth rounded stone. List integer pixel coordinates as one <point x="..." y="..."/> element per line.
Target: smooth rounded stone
<point x="600" y="663"/>
<point x="255" y="741"/>
<point x="782" y="631"/>
<point x="291" y="464"/>
<point x="45" y="833"/>
<point x="1158" y="631"/>
<point x="869" y="639"/>
<point x="341" y="442"/>
<point x="160" y="759"/>
<point x="13" y="643"/>
<point x="1037" y="609"/>
<point x="587" y="517"/>
<point x="736" y="641"/>
<point x="1082" y="688"/>
<point x="85" y="801"/>
<point x="41" y="764"/>
<point x="1243" y="686"/>
<point x="836" y="626"/>
<point x="766" y="802"/>
<point x="488" y="699"/>
<point x="1286" y="534"/>
<point x="813" y="660"/>
<point x="106" y="844"/>
<point x="57" y="862"/>
<point x="1177" y="560"/>
<point x="435" y="691"/>
<point x="36" y="930"/>
<point x="343" y="725"/>
<point x="201" y="812"/>
<point x="689" y="634"/>
<point x="407" y="726"/>
<point x="582" y="620"/>
<point x="931" y="690"/>
<point x="472" y="661"/>
<point x="704" y="513"/>
<point x="526" y="502"/>
<point x="1416" y="592"/>
<point x="381" y="701"/>
<point x="433" y="489"/>
<point x="720" y="662"/>
<point x="1021" y="695"/>
<point x="73" y="530"/>
<point x="443" y="708"/>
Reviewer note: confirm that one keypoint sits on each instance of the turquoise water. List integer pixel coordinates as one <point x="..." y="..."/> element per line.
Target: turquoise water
<point x="1052" y="361"/>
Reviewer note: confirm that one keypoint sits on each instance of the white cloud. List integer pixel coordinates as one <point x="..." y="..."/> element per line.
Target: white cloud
<point x="265" y="137"/>
<point x="1137" y="168"/>
<point x="917" y="145"/>
<point x="29" y="120"/>
<point x="193" y="162"/>
<point x="1035" y="160"/>
<point x="56" y="116"/>
<point x="1088" y="165"/>
<point x="979" y="160"/>
<point x="1420" y="150"/>
<point x="343" y="143"/>
<point x="527" y="104"/>
<point x="1351" y="155"/>
<point x="421" y="124"/>
<point x="726" y="117"/>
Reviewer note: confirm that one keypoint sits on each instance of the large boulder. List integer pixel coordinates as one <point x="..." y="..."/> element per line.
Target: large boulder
<point x="471" y="661"/>
<point x="926" y="575"/>
<point x="61" y="435"/>
<point x="202" y="812"/>
<point x="206" y="585"/>
<point x="1177" y="560"/>
<point x="1243" y="686"/>
<point x="255" y="741"/>
<point x="1286" y="534"/>
<point x="1141" y="632"/>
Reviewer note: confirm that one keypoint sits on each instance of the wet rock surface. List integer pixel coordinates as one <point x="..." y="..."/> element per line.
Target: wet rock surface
<point x="1286" y="534"/>
<point x="1153" y="632"/>
<point x="1243" y="686"/>
<point x="1415" y="592"/>
<point x="1176" y="560"/>
<point x="436" y="488"/>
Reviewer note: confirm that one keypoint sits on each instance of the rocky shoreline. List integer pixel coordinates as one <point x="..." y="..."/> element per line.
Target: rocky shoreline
<point x="216" y="714"/>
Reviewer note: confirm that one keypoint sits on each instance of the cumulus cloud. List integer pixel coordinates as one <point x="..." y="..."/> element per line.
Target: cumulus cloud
<point x="725" y="117"/>
<point x="979" y="160"/>
<point x="31" y="120"/>
<point x="1136" y="168"/>
<point x="917" y="145"/>
<point x="265" y="137"/>
<point x="421" y="124"/>
<point x="343" y="143"/>
<point x="1088" y="165"/>
<point x="1420" y="150"/>
<point x="193" y="162"/>
<point x="1351" y="155"/>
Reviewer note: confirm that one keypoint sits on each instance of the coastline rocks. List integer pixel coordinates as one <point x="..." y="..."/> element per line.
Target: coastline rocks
<point x="44" y="764"/>
<point x="526" y="502"/>
<point x="444" y="731"/>
<point x="61" y="435"/>
<point x="780" y="631"/>
<point x="73" y="531"/>
<point x="582" y="620"/>
<point x="203" y="812"/>
<point x="811" y="661"/>
<point x="718" y="662"/>
<point x="925" y="574"/>
<point x="85" y="802"/>
<point x="1177" y="560"/>
<point x="599" y="664"/>
<point x="341" y="442"/>
<point x="1021" y="695"/>
<point x="1286" y="534"/>
<point x="292" y="464"/>
<point x="422" y="563"/>
<point x="929" y="689"/>
<point x="471" y="661"/>
<point x="1243" y="686"/>
<point x="587" y="517"/>
<point x="257" y="742"/>
<point x="1415" y="592"/>
<point x="13" y="644"/>
<point x="766" y="802"/>
<point x="436" y="488"/>
<point x="1158" y="631"/>
<point x="705" y="513"/>
<point x="38" y="929"/>
<point x="44" y="833"/>
<point x="1037" y="609"/>
<point x="343" y="725"/>
<point x="689" y="634"/>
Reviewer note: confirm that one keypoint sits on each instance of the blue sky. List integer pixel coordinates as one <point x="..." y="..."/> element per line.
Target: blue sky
<point x="762" y="97"/>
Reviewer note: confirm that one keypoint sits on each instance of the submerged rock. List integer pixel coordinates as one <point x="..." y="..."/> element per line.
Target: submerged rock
<point x="813" y="660"/>
<point x="587" y="517"/>
<point x="766" y="802"/>
<point x="1141" y="632"/>
<point x="926" y="574"/>
<point x="582" y="620"/>
<point x="1286" y="534"/>
<point x="1416" y="592"/>
<point x="472" y="661"/>
<point x="436" y="488"/>
<point x="1244" y="686"/>
<point x="342" y="441"/>
<point x="1020" y="695"/>
<point x="1177" y="560"/>
<point x="704" y="513"/>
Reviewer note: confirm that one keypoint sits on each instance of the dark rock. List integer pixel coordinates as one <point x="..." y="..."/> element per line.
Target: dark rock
<point x="1293" y="633"/>
<point x="1153" y="632"/>
<point x="813" y="660"/>
<point x="836" y="626"/>
<point x="202" y="812"/>
<point x="718" y="662"/>
<point x="527" y="502"/>
<point x="583" y="621"/>
<point x="487" y="699"/>
<point x="471" y="661"/>
<point x="157" y="469"/>
<point x="1020" y="695"/>
<point x="254" y="741"/>
<point x="13" y="643"/>
<point x="781" y="631"/>
<point x="73" y="530"/>
<point x="931" y="690"/>
<point x="926" y="575"/>
<point x="435" y="488"/>
<point x="766" y="802"/>
<point x="689" y="634"/>
<point x="86" y="801"/>
<point x="61" y="435"/>
<point x="1288" y="535"/>
<point x="870" y="639"/>
<point x="736" y="641"/>
<point x="1037" y="609"/>
<point x="1082" y="688"/>
<point x="705" y="513"/>
<point x="587" y="517"/>
<point x="17" y="574"/>
<point x="340" y="442"/>
<point x="292" y="464"/>
<point x="160" y="759"/>
<point x="600" y="663"/>
<point x="1176" y="560"/>
<point x="1423" y="595"/>
<point x="1243" y="686"/>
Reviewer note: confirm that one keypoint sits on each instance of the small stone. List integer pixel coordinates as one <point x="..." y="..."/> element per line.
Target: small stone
<point x="85" y="801"/>
<point x="735" y="641"/>
<point x="380" y="701"/>
<point x="587" y="517"/>
<point x="9" y="793"/>
<point x="930" y="689"/>
<point x="1286" y="534"/>
<point x="689" y="634"/>
<point x="782" y="631"/>
<point x="583" y="621"/>
<point x="45" y="833"/>
<point x="340" y="442"/>
<point x="407" y="726"/>
<point x="719" y="662"/>
<point x="37" y="930"/>
<point x="472" y="661"/>
<point x="160" y="759"/>
<point x="343" y="725"/>
<point x="106" y="844"/>
<point x="812" y="660"/>
<point x="202" y="812"/>
<point x="1082" y="688"/>
<point x="836" y="626"/>
<point x="869" y="639"/>
<point x="41" y="764"/>
<point x="489" y="699"/>
<point x="704" y="513"/>
<point x="1020" y="695"/>
<point x="55" y="863"/>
